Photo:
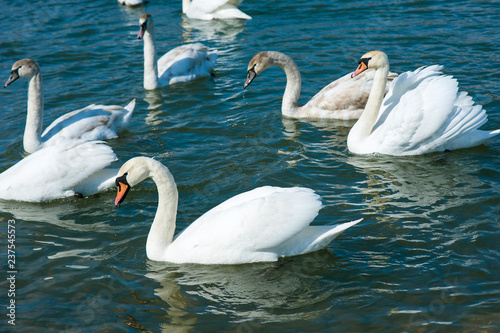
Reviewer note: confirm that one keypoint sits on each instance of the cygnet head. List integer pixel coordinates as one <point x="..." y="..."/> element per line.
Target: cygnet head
<point x="22" y="68"/>
<point x="259" y="63"/>
<point x="372" y="59"/>
<point x="130" y="174"/>
<point x="145" y="22"/>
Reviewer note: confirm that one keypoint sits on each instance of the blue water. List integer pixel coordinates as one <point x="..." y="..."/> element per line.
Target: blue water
<point x="425" y="257"/>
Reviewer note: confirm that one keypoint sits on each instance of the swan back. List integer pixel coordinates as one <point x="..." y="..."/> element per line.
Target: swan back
<point x="186" y="63"/>
<point x="93" y="122"/>
<point x="248" y="227"/>
<point x="213" y="9"/>
<point x="58" y="172"/>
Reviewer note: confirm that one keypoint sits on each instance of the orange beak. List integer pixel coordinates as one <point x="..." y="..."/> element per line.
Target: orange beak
<point x="361" y="68"/>
<point x="123" y="189"/>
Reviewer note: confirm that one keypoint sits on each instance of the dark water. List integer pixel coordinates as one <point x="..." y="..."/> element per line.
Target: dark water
<point x="425" y="258"/>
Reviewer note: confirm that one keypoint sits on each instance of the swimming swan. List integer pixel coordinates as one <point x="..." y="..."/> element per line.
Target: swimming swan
<point x="344" y="98"/>
<point x="260" y="225"/>
<point x="213" y="9"/>
<point x="181" y="64"/>
<point x="72" y="168"/>
<point x="423" y="112"/>
<point x="94" y="122"/>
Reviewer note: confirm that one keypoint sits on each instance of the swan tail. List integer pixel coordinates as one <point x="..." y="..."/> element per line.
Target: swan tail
<point x="230" y="12"/>
<point x="130" y="108"/>
<point x="326" y="238"/>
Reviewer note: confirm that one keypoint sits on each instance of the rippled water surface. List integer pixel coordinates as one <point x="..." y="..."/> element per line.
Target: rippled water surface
<point x="425" y="258"/>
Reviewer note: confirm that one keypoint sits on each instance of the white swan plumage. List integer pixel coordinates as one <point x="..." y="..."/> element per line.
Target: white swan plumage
<point x="260" y="225"/>
<point x="344" y="98"/>
<point x="60" y="171"/>
<point x="181" y="64"/>
<point x="213" y="9"/>
<point x="423" y="112"/>
<point x="94" y="122"/>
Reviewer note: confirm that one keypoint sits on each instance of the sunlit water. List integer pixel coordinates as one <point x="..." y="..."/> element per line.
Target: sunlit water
<point x="425" y="258"/>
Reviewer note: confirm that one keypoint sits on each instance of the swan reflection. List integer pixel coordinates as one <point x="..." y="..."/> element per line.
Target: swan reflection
<point x="264" y="292"/>
<point x="424" y="184"/>
<point x="221" y="31"/>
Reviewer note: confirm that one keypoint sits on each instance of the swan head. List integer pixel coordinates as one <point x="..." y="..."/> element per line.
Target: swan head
<point x="259" y="63"/>
<point x="372" y="59"/>
<point x="130" y="174"/>
<point x="22" y="68"/>
<point x="145" y="22"/>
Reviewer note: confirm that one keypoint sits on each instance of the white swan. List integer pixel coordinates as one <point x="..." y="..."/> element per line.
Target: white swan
<point x="184" y="63"/>
<point x="213" y="9"/>
<point x="94" y="122"/>
<point x="260" y="225"/>
<point x="132" y="3"/>
<point x="344" y="98"/>
<point x="423" y="112"/>
<point x="60" y="171"/>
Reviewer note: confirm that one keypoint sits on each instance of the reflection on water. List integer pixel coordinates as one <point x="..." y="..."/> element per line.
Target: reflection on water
<point x="264" y="292"/>
<point x="221" y="31"/>
<point x="421" y="184"/>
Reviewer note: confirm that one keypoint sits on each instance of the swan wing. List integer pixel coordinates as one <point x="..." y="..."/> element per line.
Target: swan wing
<point x="185" y="63"/>
<point x="346" y="97"/>
<point x="245" y="227"/>
<point x="422" y="112"/>
<point x="55" y="172"/>
<point x="94" y="122"/>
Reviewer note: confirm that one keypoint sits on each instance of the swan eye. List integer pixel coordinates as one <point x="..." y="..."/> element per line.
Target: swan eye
<point x="16" y="70"/>
<point x="121" y="180"/>
<point x="364" y="61"/>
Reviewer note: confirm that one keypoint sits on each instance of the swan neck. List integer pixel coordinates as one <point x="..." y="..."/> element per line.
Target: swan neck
<point x="185" y="5"/>
<point x="34" y="119"/>
<point x="150" y="61"/>
<point x="162" y="230"/>
<point x="363" y="127"/>
<point x="289" y="106"/>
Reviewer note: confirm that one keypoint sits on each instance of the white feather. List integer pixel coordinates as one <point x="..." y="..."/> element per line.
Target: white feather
<point x="59" y="171"/>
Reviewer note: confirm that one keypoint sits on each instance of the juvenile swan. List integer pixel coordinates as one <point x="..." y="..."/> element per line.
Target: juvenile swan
<point x="94" y="122"/>
<point x="423" y="112"/>
<point x="342" y="99"/>
<point x="260" y="225"/>
<point x="184" y="63"/>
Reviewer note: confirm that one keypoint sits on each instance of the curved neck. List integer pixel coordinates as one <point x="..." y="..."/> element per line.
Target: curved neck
<point x="34" y="119"/>
<point x="150" y="61"/>
<point x="163" y="227"/>
<point x="363" y="127"/>
<point x="291" y="95"/>
<point x="185" y="5"/>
